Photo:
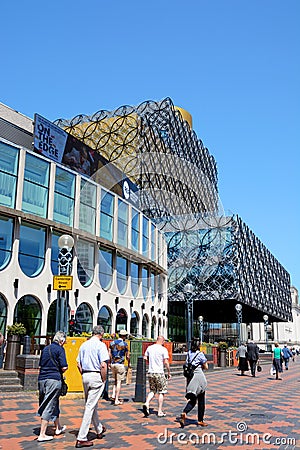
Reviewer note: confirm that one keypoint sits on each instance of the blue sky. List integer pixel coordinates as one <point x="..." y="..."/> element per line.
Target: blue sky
<point x="234" y="65"/>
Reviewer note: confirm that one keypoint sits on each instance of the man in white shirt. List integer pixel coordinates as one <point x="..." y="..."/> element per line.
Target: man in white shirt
<point x="158" y="357"/>
<point x="92" y="364"/>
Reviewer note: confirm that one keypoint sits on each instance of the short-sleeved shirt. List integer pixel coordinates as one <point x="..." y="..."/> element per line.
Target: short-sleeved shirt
<point x="196" y="358"/>
<point x="91" y="354"/>
<point x="156" y="355"/>
<point x="119" y="350"/>
<point x="277" y="352"/>
<point x="48" y="368"/>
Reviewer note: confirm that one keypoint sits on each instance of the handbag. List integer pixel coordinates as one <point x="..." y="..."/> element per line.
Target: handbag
<point x="64" y="386"/>
<point x="259" y="368"/>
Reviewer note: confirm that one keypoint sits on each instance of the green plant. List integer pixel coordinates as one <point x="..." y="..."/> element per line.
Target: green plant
<point x="222" y="345"/>
<point x="16" y="329"/>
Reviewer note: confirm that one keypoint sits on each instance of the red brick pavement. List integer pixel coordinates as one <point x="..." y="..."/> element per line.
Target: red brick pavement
<point x="262" y="412"/>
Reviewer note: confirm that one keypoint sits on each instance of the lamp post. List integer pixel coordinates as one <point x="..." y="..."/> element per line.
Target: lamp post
<point x="189" y="289"/>
<point x="238" y="309"/>
<point x="65" y="257"/>
<point x="200" y="318"/>
<point x="266" y="321"/>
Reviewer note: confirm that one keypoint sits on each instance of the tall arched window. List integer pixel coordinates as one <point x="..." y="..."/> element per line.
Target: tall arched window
<point x="153" y="328"/>
<point x="105" y="267"/>
<point x="121" y="274"/>
<point x="84" y="318"/>
<point x="3" y="314"/>
<point x="32" y="249"/>
<point x="145" y="326"/>
<point x="28" y="311"/>
<point x="104" y="319"/>
<point x="121" y="320"/>
<point x="134" y="323"/>
<point x="6" y="235"/>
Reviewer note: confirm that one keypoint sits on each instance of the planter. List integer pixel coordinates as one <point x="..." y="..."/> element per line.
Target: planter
<point x="13" y="348"/>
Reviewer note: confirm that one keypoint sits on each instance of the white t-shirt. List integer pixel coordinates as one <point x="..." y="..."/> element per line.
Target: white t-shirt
<point x="156" y="354"/>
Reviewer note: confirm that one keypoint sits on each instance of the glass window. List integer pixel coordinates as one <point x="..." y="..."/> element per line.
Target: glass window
<point x="87" y="211"/>
<point x="153" y="285"/>
<point x="121" y="274"/>
<point x="85" y="262"/>
<point x="28" y="311"/>
<point x="152" y="242"/>
<point x="104" y="319"/>
<point x="9" y="157"/>
<point x="6" y="235"/>
<point x="54" y="252"/>
<point x="106" y="215"/>
<point x="134" y="272"/>
<point x="135" y="229"/>
<point x="32" y="249"/>
<point x="3" y="315"/>
<point x="134" y="324"/>
<point x="145" y="326"/>
<point x="122" y="223"/>
<point x="64" y="192"/>
<point x="83" y="319"/>
<point x="145" y="282"/>
<point x="36" y="183"/>
<point x="145" y="241"/>
<point x="105" y="268"/>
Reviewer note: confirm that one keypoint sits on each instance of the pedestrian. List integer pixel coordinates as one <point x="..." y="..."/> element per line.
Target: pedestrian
<point x="277" y="360"/>
<point x="196" y="385"/>
<point x="118" y="352"/>
<point x="92" y="363"/>
<point x="286" y="354"/>
<point x="53" y="364"/>
<point x="293" y="350"/>
<point x="241" y="356"/>
<point x="252" y="356"/>
<point x="158" y="357"/>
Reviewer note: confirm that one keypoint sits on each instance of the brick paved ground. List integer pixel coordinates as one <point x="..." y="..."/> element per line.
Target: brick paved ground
<point x="242" y="405"/>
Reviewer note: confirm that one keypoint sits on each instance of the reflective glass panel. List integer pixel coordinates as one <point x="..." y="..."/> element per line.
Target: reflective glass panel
<point x="106" y="215"/>
<point x="134" y="272"/>
<point x="9" y="157"/>
<point x="135" y="230"/>
<point x="85" y="262"/>
<point x="54" y="252"/>
<point x="121" y="274"/>
<point x="28" y="311"/>
<point x="6" y="235"/>
<point x="145" y="241"/>
<point x="122" y="223"/>
<point x="145" y="282"/>
<point x="105" y="268"/>
<point x="87" y="210"/>
<point x="84" y="319"/>
<point x="152" y="242"/>
<point x="35" y="188"/>
<point x="64" y="189"/>
<point x="32" y="249"/>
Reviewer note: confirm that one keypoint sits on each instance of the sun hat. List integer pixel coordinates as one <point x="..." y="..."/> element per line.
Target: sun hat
<point x="123" y="333"/>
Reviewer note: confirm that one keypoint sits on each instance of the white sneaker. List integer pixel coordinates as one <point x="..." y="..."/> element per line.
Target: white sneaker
<point x="62" y="430"/>
<point x="44" y="439"/>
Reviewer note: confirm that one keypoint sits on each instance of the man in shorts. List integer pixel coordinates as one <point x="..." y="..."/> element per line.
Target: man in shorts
<point x="118" y="351"/>
<point x="158" y="357"/>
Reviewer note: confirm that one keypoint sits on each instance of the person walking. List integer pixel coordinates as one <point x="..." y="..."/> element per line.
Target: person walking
<point x="196" y="385"/>
<point x="252" y="356"/>
<point x="241" y="356"/>
<point x="92" y="364"/>
<point x="118" y="351"/>
<point x="286" y="354"/>
<point x="53" y="364"/>
<point x="158" y="357"/>
<point x="277" y="360"/>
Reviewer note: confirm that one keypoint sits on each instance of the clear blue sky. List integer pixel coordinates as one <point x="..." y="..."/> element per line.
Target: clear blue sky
<point x="234" y="65"/>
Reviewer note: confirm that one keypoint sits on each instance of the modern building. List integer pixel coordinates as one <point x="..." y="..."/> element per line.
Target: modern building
<point x="118" y="265"/>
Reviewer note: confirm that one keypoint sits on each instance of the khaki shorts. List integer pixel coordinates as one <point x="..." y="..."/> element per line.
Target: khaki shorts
<point x="158" y="383"/>
<point x="118" y="371"/>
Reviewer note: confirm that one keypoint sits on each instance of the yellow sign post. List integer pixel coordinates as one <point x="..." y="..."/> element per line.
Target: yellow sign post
<point x="62" y="283"/>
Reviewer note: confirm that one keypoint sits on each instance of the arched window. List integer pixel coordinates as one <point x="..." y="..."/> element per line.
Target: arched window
<point x="6" y="235"/>
<point x="105" y="268"/>
<point x="121" y="320"/>
<point x="28" y="312"/>
<point x="3" y="314"/>
<point x="159" y="330"/>
<point x="134" y="273"/>
<point x="85" y="262"/>
<point x="32" y="249"/>
<point x="145" y="326"/>
<point x="83" y="319"/>
<point x="134" y="323"/>
<point x="51" y="319"/>
<point x="104" y="319"/>
<point x="153" y="328"/>
<point x="121" y="274"/>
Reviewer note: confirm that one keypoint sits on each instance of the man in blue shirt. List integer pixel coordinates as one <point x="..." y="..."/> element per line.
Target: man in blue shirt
<point x="118" y="351"/>
<point x="287" y="354"/>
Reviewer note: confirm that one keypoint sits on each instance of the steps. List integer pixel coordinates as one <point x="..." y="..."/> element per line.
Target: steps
<point x="9" y="381"/>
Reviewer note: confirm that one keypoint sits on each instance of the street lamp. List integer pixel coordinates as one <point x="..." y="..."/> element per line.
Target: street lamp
<point x="200" y="318"/>
<point x="189" y="289"/>
<point x="238" y="309"/>
<point x="65" y="257"/>
<point x="266" y="321"/>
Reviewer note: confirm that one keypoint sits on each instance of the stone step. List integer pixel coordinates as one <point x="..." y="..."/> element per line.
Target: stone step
<point x="10" y="388"/>
<point x="8" y="373"/>
<point x="9" y="381"/>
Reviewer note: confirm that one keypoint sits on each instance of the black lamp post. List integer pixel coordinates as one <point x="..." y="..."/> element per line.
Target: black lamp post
<point x="189" y="289"/>
<point x="238" y="309"/>
<point x="200" y="318"/>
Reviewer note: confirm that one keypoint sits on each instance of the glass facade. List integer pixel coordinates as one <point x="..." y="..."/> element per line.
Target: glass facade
<point x="64" y="192"/>
<point x="145" y="282"/>
<point x="122" y="223"/>
<point x="32" y="249"/>
<point x="85" y="262"/>
<point x="153" y="246"/>
<point x="135" y="229"/>
<point x="121" y="266"/>
<point x="54" y="252"/>
<point x="87" y="211"/>
<point x="83" y="319"/>
<point x="134" y="272"/>
<point x="106" y="215"/>
<point x="105" y="268"/>
<point x="36" y="185"/>
<point x="6" y="235"/>
<point x="9" y="157"/>
<point x="145" y="240"/>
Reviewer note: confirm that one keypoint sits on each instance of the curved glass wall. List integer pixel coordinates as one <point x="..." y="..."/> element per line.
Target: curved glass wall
<point x="122" y="223"/>
<point x="145" y="282"/>
<point x="64" y="192"/>
<point x="9" y="157"/>
<point x="121" y="266"/>
<point x="28" y="311"/>
<point x="85" y="262"/>
<point x="36" y="184"/>
<point x="106" y="215"/>
<point x="87" y="208"/>
<point x="145" y="239"/>
<point x="105" y="268"/>
<point x="135" y="229"/>
<point x="32" y="249"/>
<point x="3" y="314"/>
<point x="83" y="319"/>
<point x="6" y="236"/>
<point x="104" y="319"/>
<point x="134" y="273"/>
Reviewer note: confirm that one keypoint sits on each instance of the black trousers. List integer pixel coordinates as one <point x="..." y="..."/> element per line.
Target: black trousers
<point x="192" y="403"/>
<point x="252" y="363"/>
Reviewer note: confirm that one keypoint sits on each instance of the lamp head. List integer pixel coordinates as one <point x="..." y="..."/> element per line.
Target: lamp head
<point x="265" y="317"/>
<point x="238" y="307"/>
<point x="189" y="288"/>
<point x="66" y="241"/>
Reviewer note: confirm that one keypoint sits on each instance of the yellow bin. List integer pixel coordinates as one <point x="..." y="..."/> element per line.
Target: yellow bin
<point x="73" y="376"/>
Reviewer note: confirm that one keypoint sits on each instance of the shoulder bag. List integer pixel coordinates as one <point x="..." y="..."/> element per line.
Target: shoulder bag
<point x="64" y="386"/>
<point x="188" y="368"/>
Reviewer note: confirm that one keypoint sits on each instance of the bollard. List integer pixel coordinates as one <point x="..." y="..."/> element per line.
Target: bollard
<point x="26" y="345"/>
<point x="140" y="381"/>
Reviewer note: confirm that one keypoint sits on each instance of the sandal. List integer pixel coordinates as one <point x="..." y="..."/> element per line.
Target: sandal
<point x="161" y="415"/>
<point x="119" y="402"/>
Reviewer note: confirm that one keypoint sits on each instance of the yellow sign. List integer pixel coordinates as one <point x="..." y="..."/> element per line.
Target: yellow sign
<point x="62" y="283"/>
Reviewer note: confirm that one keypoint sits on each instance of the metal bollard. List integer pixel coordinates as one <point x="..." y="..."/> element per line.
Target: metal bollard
<point x="26" y="345"/>
<point x="140" y="381"/>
